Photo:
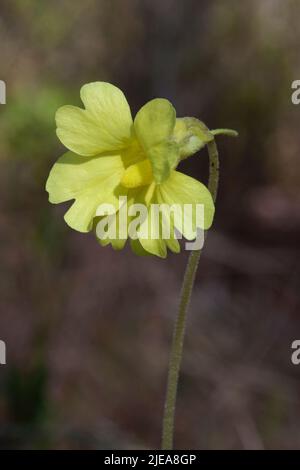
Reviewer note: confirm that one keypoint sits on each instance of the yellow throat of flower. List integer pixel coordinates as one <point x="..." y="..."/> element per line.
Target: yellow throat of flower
<point x="137" y="175"/>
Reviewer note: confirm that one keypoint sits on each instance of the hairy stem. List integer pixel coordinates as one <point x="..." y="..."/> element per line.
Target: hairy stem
<point x="228" y="132"/>
<point x="180" y="323"/>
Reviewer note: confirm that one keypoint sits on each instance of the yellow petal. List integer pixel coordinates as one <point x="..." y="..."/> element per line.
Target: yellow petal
<point x="184" y="194"/>
<point x="154" y="246"/>
<point x="154" y="125"/>
<point x="90" y="181"/>
<point x="104" y="125"/>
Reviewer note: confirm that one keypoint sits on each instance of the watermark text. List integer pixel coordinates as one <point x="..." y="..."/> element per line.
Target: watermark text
<point x="2" y="92"/>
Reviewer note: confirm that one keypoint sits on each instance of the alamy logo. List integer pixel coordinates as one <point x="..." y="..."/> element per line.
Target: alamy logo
<point x="153" y="222"/>
<point x="295" y="357"/>
<point x="2" y="92"/>
<point x="2" y="352"/>
<point x="296" y="94"/>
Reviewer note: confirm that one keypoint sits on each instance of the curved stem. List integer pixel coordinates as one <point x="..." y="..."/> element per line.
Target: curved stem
<point x="180" y="323"/>
<point x="228" y="132"/>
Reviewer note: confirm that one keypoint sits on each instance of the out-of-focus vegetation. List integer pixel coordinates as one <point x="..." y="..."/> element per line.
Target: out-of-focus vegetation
<point x="88" y="329"/>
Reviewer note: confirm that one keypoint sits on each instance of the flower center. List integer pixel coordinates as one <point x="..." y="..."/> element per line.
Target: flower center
<point x="139" y="174"/>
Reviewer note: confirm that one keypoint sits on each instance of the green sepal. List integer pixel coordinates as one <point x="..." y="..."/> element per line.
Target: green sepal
<point x="191" y="136"/>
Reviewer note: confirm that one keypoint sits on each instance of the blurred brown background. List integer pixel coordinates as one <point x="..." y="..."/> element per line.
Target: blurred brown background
<point x="88" y="329"/>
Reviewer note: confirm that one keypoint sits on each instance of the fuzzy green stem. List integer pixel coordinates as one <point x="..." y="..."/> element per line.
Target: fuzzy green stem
<point x="228" y="132"/>
<point x="180" y="323"/>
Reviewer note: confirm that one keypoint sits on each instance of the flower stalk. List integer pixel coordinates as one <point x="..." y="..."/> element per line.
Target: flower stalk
<point x="186" y="291"/>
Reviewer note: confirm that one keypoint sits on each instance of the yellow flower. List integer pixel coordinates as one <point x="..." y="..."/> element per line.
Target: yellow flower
<point x="110" y="155"/>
